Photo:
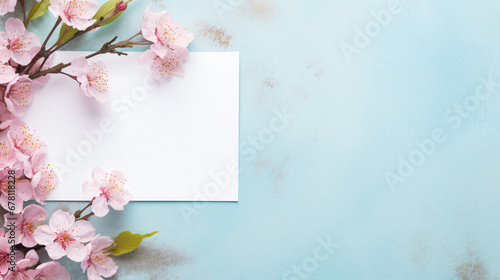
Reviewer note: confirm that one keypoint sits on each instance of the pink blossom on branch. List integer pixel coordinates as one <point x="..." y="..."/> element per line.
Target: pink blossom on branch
<point x="24" y="142"/>
<point x="7" y="6"/>
<point x="75" y="13"/>
<point x="20" y="272"/>
<point x="107" y="190"/>
<point x="98" y="263"/>
<point x="164" y="32"/>
<point x="18" y="95"/>
<point x="170" y="65"/>
<point x="24" y="192"/>
<point x="22" y="45"/>
<point x="93" y="78"/>
<point x="63" y="236"/>
<point x="31" y="217"/>
<point x="43" y="177"/>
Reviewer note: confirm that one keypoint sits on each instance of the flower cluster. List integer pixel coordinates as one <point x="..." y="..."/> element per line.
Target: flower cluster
<point x="27" y="62"/>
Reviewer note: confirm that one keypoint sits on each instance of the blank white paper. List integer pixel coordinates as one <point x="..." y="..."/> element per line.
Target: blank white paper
<point x="175" y="140"/>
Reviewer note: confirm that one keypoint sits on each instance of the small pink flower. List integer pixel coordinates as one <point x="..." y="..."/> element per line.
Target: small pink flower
<point x="24" y="141"/>
<point x="107" y="190"/>
<point x="164" y="32"/>
<point x="7" y="156"/>
<point x="170" y="65"/>
<point x="75" y="13"/>
<point x="93" y="78"/>
<point x="43" y="177"/>
<point x="20" y="272"/>
<point x="22" y="45"/>
<point x="31" y="217"/>
<point x="7" y="6"/>
<point x="63" y="236"/>
<point x="98" y="263"/>
<point x="51" y="270"/>
<point x="23" y="191"/>
<point x="7" y="74"/>
<point x="18" y="95"/>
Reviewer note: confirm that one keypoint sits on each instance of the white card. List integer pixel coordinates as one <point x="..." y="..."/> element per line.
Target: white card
<point x="174" y="140"/>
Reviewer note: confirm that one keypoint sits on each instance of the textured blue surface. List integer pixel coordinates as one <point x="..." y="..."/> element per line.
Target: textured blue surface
<point x="323" y="176"/>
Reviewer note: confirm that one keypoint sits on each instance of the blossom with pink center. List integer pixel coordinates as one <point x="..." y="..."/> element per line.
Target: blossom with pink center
<point x="4" y="255"/>
<point x="7" y="156"/>
<point x="30" y="218"/>
<point x="63" y="236"/>
<point x="7" y="6"/>
<point x="75" y="13"/>
<point x="170" y="65"/>
<point x="23" y="191"/>
<point x="24" y="142"/>
<point x="18" y="95"/>
<point x="20" y="272"/>
<point x="51" y="271"/>
<point x="43" y="177"/>
<point x="98" y="262"/>
<point x="22" y="45"/>
<point x="107" y="190"/>
<point x="93" y="78"/>
<point x="164" y="32"/>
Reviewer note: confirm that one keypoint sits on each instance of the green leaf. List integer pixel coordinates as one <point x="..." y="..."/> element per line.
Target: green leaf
<point x="126" y="242"/>
<point x="68" y="35"/>
<point x="38" y="9"/>
<point x="105" y="10"/>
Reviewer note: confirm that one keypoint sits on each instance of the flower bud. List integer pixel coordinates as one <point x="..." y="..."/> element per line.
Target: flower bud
<point x="121" y="6"/>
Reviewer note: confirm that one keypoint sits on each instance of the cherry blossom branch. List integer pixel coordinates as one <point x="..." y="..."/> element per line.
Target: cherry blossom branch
<point x="108" y="47"/>
<point x="79" y="212"/>
<point x="85" y="217"/>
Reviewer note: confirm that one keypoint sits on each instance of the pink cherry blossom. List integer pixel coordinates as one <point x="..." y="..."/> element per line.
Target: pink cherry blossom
<point x="51" y="270"/>
<point x="93" y="78"/>
<point x="4" y="255"/>
<point x="24" y="142"/>
<point x="20" y="272"/>
<point x="107" y="190"/>
<point x="164" y="32"/>
<point x="7" y="6"/>
<point x="23" y="191"/>
<point x="63" y="236"/>
<point x="75" y="13"/>
<point x="31" y="217"/>
<point x="170" y="65"/>
<point x="98" y="262"/>
<point x="22" y="45"/>
<point x="18" y="95"/>
<point x="7" y="156"/>
<point x="43" y="177"/>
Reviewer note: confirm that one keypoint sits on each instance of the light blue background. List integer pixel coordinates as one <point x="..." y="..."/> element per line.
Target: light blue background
<point x="323" y="176"/>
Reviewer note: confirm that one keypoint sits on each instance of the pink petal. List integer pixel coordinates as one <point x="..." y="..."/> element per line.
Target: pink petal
<point x="55" y="251"/>
<point x="83" y="231"/>
<point x="7" y="74"/>
<point x="76" y="251"/>
<point x="44" y="235"/>
<point x="14" y="27"/>
<point x="100" y="206"/>
<point x="61" y="221"/>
